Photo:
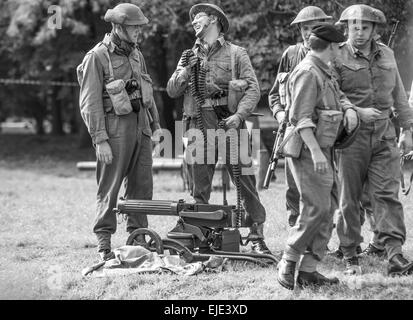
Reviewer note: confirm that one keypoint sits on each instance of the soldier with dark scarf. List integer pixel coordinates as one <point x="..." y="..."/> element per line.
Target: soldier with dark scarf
<point x="121" y="136"/>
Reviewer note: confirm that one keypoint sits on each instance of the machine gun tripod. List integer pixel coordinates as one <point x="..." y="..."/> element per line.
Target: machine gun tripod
<point x="202" y="231"/>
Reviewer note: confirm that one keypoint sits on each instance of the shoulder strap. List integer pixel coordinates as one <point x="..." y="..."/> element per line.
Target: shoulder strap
<point x="233" y="49"/>
<point x="295" y="58"/>
<point x="102" y="53"/>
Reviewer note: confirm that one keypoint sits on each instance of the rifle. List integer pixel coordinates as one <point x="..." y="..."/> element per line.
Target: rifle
<point x="275" y="155"/>
<point x="390" y="44"/>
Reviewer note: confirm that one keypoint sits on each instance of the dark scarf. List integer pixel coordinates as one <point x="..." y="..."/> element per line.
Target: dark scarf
<point x="122" y="47"/>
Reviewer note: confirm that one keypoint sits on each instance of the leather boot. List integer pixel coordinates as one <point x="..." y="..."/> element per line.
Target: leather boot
<point x="256" y="236"/>
<point x="104" y="246"/>
<point x="256" y="232"/>
<point x="371" y="250"/>
<point x="352" y="266"/>
<point x="259" y="246"/>
<point x="314" y="279"/>
<point x="339" y="252"/>
<point x="106" y="255"/>
<point x="399" y="266"/>
<point x="286" y="274"/>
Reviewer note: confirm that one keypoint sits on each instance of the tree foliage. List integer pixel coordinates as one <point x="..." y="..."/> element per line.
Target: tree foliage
<point x="30" y="49"/>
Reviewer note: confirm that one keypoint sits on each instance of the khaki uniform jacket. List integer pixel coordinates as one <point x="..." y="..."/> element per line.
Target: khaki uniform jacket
<point x="312" y="86"/>
<point x="218" y="65"/>
<point x="374" y="82"/>
<point x="289" y="60"/>
<point x="94" y="101"/>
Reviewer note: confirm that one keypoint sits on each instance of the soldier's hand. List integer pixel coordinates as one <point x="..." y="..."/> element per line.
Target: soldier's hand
<point x="192" y="61"/>
<point x="320" y="162"/>
<point x="233" y="122"/>
<point x="350" y="120"/>
<point x="280" y="116"/>
<point x="369" y="114"/>
<point x="406" y="141"/>
<point x="104" y="152"/>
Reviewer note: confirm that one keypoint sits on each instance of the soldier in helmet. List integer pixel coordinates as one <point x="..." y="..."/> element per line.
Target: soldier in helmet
<point x="306" y="19"/>
<point x="367" y="73"/>
<point x="118" y="108"/>
<point x="210" y="106"/>
<point x="317" y="108"/>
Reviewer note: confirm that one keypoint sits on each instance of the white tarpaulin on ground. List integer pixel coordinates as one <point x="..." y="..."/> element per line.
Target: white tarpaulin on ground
<point x="136" y="259"/>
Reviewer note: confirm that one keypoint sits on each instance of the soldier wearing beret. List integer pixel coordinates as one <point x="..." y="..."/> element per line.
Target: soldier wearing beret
<point x="317" y="108"/>
<point x="306" y="19"/>
<point x="118" y="108"/>
<point x="367" y="73"/>
<point x="222" y="63"/>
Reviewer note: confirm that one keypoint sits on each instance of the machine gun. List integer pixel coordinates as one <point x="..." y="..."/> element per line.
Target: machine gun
<point x="202" y="230"/>
<point x="275" y="155"/>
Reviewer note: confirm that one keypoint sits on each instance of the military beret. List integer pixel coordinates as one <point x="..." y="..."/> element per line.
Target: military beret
<point x="328" y="33"/>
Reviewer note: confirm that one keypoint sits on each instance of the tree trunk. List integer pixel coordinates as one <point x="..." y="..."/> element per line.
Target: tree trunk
<point x="75" y="119"/>
<point x="57" y="123"/>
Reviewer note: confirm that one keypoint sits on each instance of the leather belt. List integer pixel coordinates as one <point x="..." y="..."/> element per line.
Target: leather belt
<point x="385" y="114"/>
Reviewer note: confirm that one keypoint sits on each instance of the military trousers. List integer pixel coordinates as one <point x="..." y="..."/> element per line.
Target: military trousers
<point x="203" y="173"/>
<point x="318" y="202"/>
<point x="131" y="165"/>
<point x="366" y="214"/>
<point x="292" y="195"/>
<point x="374" y="156"/>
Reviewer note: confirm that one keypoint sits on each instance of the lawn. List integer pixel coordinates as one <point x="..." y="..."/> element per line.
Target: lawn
<point x="46" y="239"/>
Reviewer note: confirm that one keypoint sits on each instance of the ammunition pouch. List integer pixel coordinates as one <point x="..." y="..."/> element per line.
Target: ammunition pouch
<point x="236" y="90"/>
<point x="328" y="127"/>
<point x="292" y="144"/>
<point x="146" y="90"/>
<point x="119" y="97"/>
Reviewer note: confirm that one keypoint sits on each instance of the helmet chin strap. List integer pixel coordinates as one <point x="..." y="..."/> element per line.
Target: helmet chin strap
<point x="205" y="28"/>
<point x="125" y="35"/>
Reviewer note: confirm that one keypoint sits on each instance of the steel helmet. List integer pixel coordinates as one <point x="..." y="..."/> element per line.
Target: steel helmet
<point x="210" y="9"/>
<point x="310" y="13"/>
<point x="127" y="14"/>
<point x="364" y="13"/>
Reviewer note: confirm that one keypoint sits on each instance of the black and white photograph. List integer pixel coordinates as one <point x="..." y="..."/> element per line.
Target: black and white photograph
<point x="206" y="157"/>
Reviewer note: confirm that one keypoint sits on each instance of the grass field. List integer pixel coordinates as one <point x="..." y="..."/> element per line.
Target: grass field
<point x="47" y="209"/>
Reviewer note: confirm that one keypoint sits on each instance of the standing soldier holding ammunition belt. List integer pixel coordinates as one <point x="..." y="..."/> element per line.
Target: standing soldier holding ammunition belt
<point x="316" y="109"/>
<point x="306" y="19"/>
<point x="367" y="73"/>
<point x="117" y="106"/>
<point x="221" y="65"/>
